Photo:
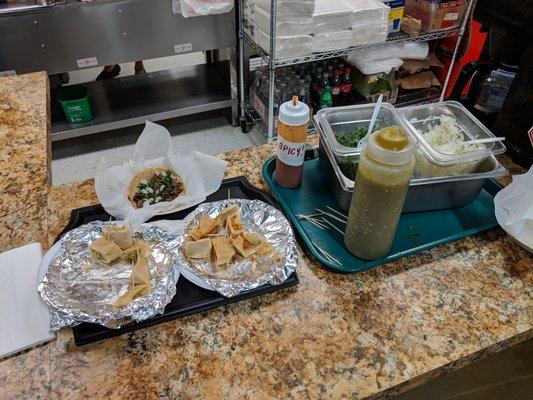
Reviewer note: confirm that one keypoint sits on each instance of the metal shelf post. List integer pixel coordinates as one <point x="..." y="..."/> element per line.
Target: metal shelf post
<point x="272" y="69"/>
<point x="240" y="24"/>
<point x="466" y="18"/>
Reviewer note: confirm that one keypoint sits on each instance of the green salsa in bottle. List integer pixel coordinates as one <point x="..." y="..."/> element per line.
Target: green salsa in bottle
<point x="381" y="183"/>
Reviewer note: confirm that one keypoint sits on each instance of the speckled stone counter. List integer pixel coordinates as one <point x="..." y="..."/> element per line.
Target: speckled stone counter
<point x="366" y="335"/>
<point x="24" y="159"/>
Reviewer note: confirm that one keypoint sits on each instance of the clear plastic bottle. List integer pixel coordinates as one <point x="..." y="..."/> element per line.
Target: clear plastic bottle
<point x="277" y="101"/>
<point x="383" y="175"/>
<point x="330" y="70"/>
<point x="494" y="91"/>
<point x="303" y="95"/>
<point x="283" y="91"/>
<point x="292" y="88"/>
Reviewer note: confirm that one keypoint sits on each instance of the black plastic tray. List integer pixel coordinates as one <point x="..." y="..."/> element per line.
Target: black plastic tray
<point x="189" y="298"/>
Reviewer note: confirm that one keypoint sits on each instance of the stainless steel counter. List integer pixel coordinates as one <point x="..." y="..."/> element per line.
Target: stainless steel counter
<point x="131" y="100"/>
<point x="16" y="6"/>
<point x="72" y="35"/>
<point x="75" y="35"/>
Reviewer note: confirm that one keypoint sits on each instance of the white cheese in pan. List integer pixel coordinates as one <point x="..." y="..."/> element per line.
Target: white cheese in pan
<point x="446" y="137"/>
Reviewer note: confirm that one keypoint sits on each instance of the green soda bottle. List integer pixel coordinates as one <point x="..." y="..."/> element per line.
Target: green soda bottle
<point x="326" y="99"/>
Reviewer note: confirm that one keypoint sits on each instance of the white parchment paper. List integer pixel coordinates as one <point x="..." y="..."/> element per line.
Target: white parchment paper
<point x="514" y="208"/>
<point x="201" y="173"/>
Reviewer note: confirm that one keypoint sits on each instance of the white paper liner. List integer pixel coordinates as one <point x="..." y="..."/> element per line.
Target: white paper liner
<point x="202" y="175"/>
<point x="513" y="207"/>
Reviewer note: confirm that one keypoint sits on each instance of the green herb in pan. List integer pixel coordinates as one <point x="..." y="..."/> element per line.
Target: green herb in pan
<point x="351" y="139"/>
<point x="348" y="164"/>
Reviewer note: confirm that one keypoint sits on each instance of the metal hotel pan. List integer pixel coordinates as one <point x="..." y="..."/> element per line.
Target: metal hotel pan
<point x="427" y="194"/>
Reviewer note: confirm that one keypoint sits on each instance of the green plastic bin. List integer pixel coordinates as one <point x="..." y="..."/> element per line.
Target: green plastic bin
<point x="75" y="103"/>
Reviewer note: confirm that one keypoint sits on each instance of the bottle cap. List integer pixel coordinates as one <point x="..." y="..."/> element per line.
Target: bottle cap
<point x="294" y="113"/>
<point x="391" y="146"/>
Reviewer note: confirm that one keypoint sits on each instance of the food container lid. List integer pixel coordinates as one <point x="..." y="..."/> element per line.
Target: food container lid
<point x="421" y="119"/>
<point x="294" y="113"/>
<point x="490" y="168"/>
<point x="335" y="122"/>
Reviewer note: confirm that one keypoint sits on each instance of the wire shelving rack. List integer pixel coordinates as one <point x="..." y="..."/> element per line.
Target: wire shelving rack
<point x="249" y="114"/>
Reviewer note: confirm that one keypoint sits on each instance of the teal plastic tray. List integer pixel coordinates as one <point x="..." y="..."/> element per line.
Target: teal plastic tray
<point x="416" y="232"/>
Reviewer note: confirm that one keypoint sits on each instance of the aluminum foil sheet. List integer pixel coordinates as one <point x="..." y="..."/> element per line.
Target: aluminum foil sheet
<point x="78" y="289"/>
<point x="244" y="274"/>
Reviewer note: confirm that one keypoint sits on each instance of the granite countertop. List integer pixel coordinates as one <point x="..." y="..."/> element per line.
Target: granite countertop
<point x="24" y="159"/>
<point x="365" y="335"/>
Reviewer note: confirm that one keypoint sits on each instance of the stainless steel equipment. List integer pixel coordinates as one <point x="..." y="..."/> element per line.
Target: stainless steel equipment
<point x="75" y="35"/>
<point x="70" y="35"/>
<point x="12" y="6"/>
<point x="424" y="194"/>
<point x="128" y="101"/>
<point x="336" y="122"/>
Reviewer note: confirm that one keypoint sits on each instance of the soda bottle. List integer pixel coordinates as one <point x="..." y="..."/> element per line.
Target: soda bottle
<point x="293" y="86"/>
<point x="325" y="81"/>
<point x="315" y="88"/>
<point x="319" y="71"/>
<point x="330" y="70"/>
<point x="277" y="101"/>
<point x="346" y="86"/>
<point x="336" y="88"/>
<point x="326" y="100"/>
<point x="300" y="84"/>
<point x="302" y="94"/>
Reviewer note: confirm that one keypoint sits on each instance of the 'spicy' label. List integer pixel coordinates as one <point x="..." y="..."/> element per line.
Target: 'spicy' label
<point x="290" y="153"/>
